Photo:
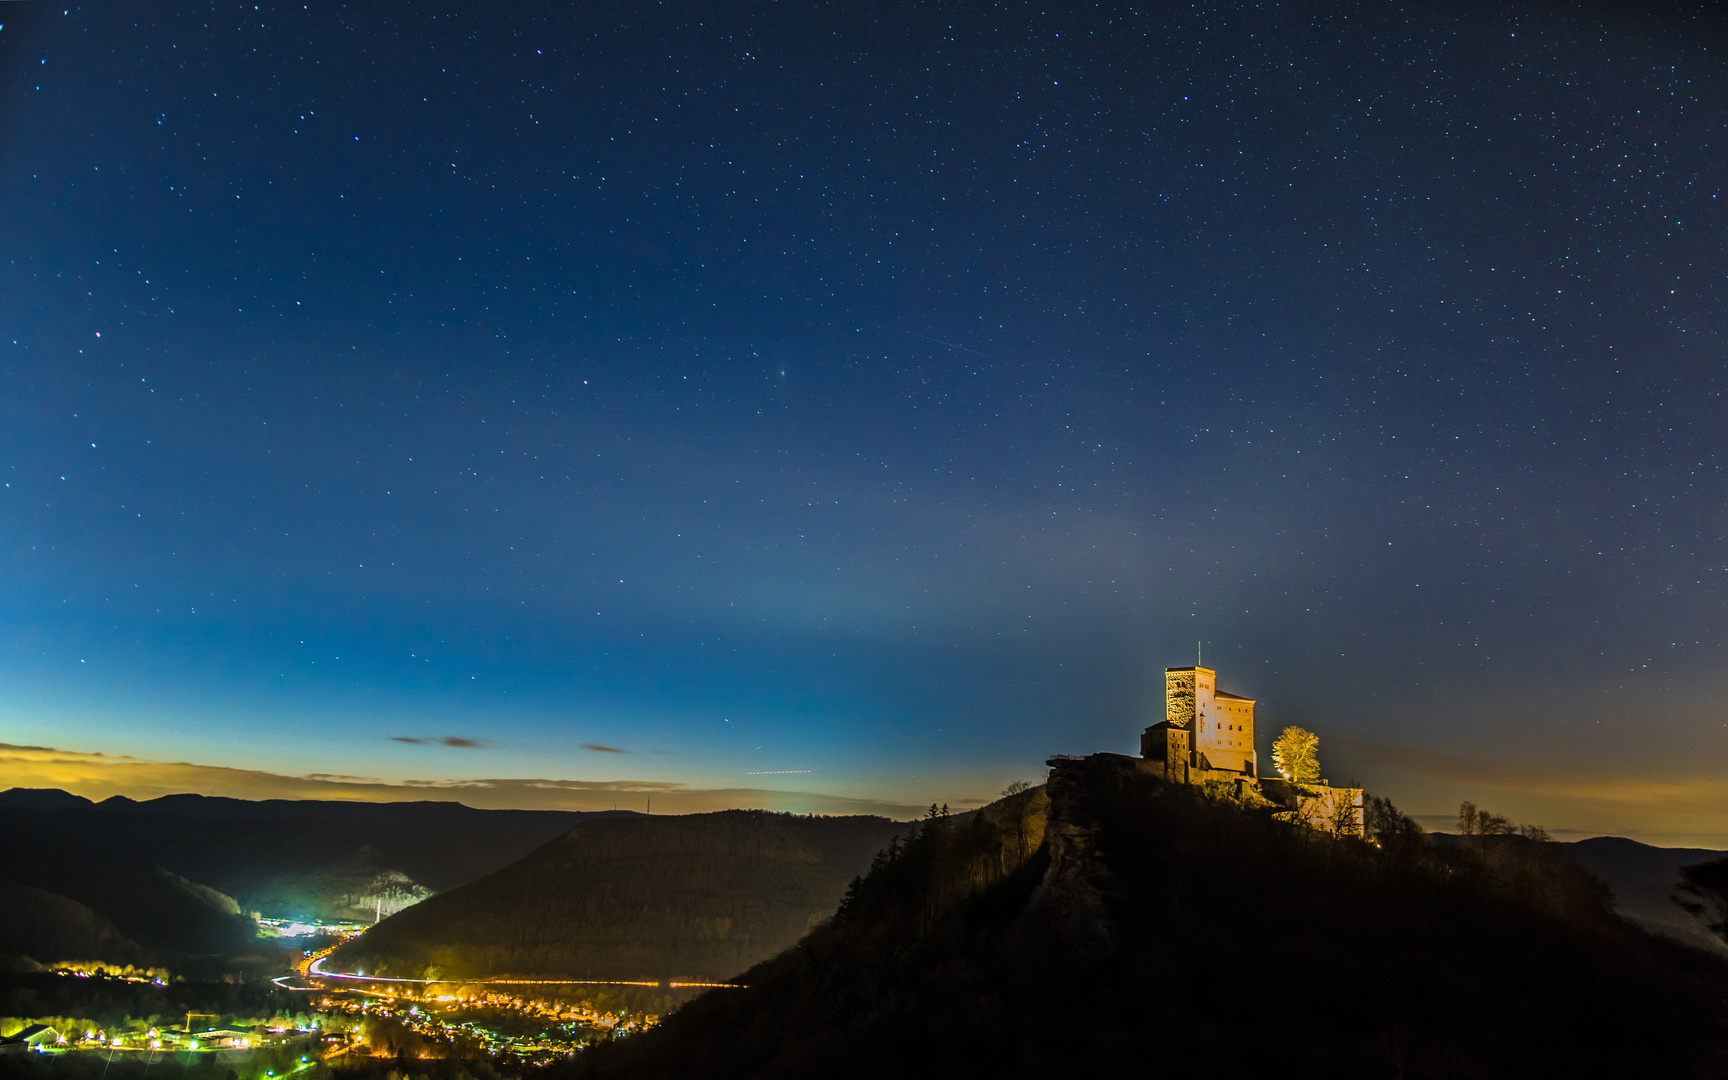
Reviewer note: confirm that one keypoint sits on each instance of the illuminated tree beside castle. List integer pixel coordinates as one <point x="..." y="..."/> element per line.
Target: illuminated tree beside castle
<point x="1295" y="755"/>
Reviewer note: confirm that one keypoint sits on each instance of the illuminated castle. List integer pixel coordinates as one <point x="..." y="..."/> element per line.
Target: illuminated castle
<point x="1207" y="738"/>
<point x="1206" y="734"/>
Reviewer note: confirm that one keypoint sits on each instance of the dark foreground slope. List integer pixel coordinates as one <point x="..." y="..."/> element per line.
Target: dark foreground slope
<point x="1156" y="933"/>
<point x="692" y="897"/>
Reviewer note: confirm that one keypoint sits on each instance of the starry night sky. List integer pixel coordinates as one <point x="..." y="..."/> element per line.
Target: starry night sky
<point x="889" y="391"/>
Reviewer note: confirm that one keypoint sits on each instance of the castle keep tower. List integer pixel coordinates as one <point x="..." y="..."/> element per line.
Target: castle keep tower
<point x="1206" y="734"/>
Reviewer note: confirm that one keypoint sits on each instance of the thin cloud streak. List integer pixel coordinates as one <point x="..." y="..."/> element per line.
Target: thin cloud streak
<point x="448" y="740"/>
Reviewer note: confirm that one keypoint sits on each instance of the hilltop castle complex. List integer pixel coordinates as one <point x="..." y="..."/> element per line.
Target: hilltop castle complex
<point x="1207" y="737"/>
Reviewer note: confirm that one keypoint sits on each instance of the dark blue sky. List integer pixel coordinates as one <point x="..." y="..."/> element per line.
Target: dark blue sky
<point x="888" y="391"/>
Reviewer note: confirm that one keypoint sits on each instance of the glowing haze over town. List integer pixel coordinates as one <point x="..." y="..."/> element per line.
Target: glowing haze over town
<point x="679" y="408"/>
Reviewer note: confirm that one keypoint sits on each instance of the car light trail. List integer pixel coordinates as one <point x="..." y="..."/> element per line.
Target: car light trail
<point x="317" y="973"/>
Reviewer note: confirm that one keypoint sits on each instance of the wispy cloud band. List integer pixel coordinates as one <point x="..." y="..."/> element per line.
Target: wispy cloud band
<point x="447" y="740"/>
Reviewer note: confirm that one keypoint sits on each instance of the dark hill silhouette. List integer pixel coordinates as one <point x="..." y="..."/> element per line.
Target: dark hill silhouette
<point x="168" y="880"/>
<point x="46" y="924"/>
<point x="1160" y="932"/>
<point x="72" y="905"/>
<point x="42" y="799"/>
<point x="1644" y="880"/>
<point x="692" y="897"/>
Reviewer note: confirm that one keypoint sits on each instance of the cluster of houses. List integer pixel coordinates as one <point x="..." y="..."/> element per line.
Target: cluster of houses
<point x="42" y="1039"/>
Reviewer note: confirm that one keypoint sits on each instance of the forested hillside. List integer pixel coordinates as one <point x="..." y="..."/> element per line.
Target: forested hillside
<point x="1160" y="931"/>
<point x="172" y="881"/>
<point x="693" y="897"/>
<point x="298" y="859"/>
<point x="62" y="905"/>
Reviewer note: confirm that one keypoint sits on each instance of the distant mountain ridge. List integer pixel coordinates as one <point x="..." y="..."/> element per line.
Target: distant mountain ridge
<point x="42" y="799"/>
<point x="1644" y="880"/>
<point x="284" y="857"/>
<point x="128" y="880"/>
